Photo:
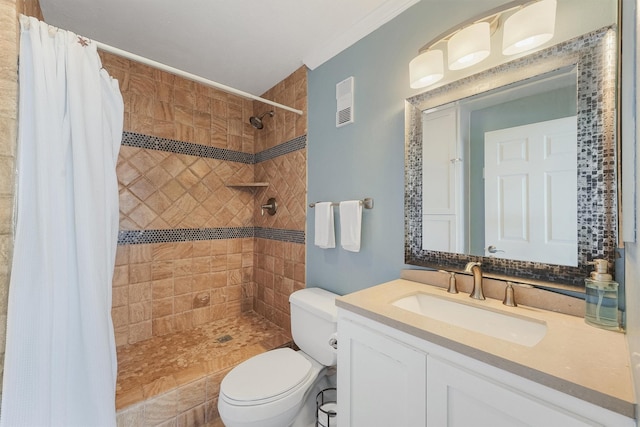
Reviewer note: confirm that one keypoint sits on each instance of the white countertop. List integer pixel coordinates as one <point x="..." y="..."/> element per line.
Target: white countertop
<point x="577" y="359"/>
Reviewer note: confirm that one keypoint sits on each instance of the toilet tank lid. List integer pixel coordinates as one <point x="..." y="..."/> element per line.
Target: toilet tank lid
<point x="318" y="301"/>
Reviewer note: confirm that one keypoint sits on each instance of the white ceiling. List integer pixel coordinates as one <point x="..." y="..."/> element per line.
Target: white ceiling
<point x="247" y="44"/>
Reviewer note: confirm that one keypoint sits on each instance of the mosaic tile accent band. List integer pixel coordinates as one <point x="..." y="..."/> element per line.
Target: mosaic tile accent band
<point x="132" y="139"/>
<point x="295" y="144"/>
<point x="139" y="237"/>
<point x="292" y="236"/>
<point x="597" y="185"/>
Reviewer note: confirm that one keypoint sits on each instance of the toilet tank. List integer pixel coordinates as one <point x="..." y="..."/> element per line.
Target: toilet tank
<point x="314" y="320"/>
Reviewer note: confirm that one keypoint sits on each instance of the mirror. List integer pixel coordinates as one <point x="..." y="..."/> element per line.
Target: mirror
<point x="505" y="164"/>
<point x="443" y="233"/>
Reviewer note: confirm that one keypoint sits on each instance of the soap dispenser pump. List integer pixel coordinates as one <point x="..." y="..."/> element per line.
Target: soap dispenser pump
<point x="601" y="309"/>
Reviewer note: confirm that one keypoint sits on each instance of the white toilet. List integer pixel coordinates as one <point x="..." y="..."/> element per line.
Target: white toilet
<point x="270" y="389"/>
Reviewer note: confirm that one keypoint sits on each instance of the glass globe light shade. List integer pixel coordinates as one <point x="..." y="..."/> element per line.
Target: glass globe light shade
<point x="530" y="27"/>
<point x="469" y="46"/>
<point x="426" y="69"/>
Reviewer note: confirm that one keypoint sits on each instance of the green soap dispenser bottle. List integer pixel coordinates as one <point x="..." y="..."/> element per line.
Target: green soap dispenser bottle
<point x="601" y="308"/>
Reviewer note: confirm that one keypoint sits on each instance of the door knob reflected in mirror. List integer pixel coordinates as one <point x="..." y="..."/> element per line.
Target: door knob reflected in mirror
<point x="492" y="249"/>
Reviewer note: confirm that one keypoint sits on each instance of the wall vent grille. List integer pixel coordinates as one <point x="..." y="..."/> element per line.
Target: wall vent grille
<point x="344" y="102"/>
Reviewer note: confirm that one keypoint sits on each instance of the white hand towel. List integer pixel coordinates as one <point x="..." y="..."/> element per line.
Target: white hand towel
<point x="325" y="232"/>
<point x="351" y="224"/>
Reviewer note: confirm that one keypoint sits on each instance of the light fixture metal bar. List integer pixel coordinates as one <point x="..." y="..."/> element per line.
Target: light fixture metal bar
<point x="491" y="14"/>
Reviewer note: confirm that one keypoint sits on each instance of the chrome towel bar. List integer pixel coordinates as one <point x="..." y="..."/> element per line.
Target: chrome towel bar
<point x="367" y="203"/>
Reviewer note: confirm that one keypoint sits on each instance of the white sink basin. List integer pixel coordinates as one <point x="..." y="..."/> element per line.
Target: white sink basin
<point x="516" y="329"/>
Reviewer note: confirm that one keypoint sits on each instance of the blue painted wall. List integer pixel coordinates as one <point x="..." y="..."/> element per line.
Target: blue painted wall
<point x="366" y="158"/>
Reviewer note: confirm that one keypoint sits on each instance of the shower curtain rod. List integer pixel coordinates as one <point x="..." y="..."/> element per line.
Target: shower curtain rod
<point x="190" y="76"/>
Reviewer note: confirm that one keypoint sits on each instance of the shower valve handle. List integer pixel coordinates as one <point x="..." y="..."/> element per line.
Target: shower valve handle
<point x="271" y="207"/>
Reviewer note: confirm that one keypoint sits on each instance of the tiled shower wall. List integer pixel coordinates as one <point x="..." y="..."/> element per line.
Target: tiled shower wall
<point x="161" y="190"/>
<point x="162" y="287"/>
<point x="279" y="266"/>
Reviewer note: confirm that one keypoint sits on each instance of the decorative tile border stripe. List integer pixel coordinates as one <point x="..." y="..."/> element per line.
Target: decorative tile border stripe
<point x="295" y="144"/>
<point x="139" y="140"/>
<point x="139" y="237"/>
<point x="292" y="236"/>
<point x="180" y="147"/>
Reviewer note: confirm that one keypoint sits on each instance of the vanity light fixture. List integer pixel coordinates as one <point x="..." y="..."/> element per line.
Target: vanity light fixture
<point x="469" y="46"/>
<point x="426" y="68"/>
<point x="530" y="24"/>
<point x="529" y="27"/>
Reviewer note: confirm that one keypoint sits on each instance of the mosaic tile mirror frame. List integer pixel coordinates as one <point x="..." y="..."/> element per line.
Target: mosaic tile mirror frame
<point x="594" y="56"/>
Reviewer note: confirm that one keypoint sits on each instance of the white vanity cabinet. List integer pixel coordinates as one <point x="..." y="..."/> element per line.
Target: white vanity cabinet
<point x="387" y="377"/>
<point x="382" y="381"/>
<point x="458" y="397"/>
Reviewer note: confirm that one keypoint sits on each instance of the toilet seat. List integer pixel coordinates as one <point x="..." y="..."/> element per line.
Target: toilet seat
<point x="266" y="377"/>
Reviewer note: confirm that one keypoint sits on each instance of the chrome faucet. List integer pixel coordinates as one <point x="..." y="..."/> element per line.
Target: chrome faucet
<point x="476" y="269"/>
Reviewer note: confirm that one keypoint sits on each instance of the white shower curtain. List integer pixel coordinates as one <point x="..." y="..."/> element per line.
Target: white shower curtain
<point x="60" y="363"/>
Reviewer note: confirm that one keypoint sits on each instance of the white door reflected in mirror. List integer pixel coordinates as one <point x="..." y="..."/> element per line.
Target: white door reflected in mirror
<point x="442" y="217"/>
<point x="531" y="192"/>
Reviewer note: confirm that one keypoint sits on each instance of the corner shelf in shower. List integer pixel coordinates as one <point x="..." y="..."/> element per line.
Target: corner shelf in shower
<point x="247" y="184"/>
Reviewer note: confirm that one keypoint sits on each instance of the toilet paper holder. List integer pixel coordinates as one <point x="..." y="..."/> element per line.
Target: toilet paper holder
<point x="326" y="414"/>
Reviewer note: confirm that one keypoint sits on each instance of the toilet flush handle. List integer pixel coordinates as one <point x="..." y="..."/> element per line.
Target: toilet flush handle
<point x="333" y="341"/>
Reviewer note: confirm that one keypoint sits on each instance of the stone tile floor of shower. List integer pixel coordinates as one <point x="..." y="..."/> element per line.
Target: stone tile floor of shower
<point x="174" y="380"/>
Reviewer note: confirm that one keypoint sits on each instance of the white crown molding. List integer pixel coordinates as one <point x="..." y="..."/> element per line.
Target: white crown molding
<point x="383" y="14"/>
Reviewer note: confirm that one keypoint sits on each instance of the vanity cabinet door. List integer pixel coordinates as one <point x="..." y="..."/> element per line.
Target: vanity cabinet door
<point x="457" y="397"/>
<point x="381" y="381"/>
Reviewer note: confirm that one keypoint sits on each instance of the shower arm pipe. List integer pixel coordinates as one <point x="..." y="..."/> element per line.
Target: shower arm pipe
<point x="189" y="76"/>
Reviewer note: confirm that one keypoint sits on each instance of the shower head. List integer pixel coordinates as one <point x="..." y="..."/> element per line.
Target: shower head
<point x="256" y="122"/>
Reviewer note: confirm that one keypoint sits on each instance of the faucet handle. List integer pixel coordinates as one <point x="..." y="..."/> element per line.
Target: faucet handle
<point x="509" y="296"/>
<point x="453" y="289"/>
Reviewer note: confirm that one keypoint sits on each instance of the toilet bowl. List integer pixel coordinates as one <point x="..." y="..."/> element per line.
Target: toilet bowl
<point x="270" y="389"/>
<point x="272" y="397"/>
